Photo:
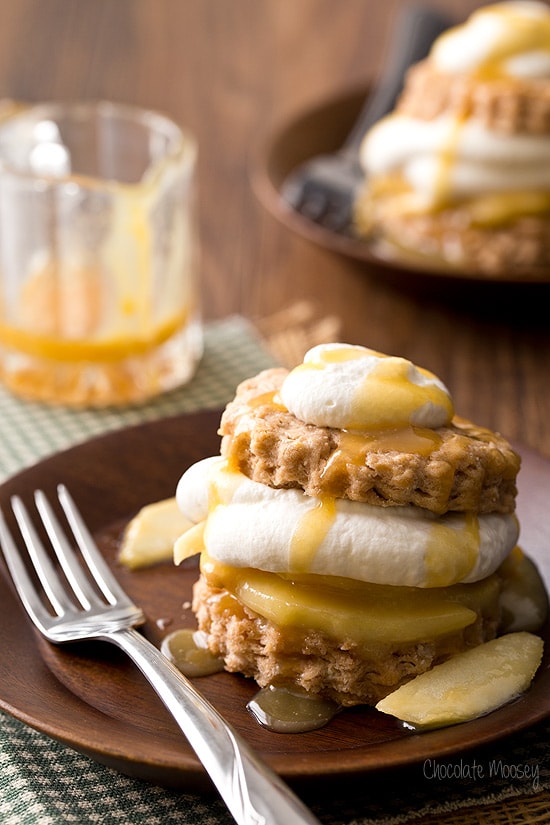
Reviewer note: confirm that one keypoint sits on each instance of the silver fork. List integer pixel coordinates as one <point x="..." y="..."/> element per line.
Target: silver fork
<point x="94" y="606"/>
<point x="323" y="188"/>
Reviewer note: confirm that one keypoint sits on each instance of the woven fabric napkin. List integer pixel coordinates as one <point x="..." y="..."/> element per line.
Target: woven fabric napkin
<point x="45" y="783"/>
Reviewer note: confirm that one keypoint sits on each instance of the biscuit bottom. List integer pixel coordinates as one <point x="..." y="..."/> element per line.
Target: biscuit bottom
<point x="449" y="238"/>
<point x="344" y="671"/>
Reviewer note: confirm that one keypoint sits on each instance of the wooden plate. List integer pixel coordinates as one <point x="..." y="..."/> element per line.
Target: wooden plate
<point x="92" y="699"/>
<point x="323" y="129"/>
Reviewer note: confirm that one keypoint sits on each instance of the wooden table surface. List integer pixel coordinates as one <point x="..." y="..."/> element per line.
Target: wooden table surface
<point x="230" y="70"/>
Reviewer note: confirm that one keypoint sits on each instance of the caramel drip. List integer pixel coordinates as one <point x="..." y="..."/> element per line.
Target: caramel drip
<point x="418" y="440"/>
<point x="338" y="355"/>
<point x="391" y="397"/>
<point x="290" y="711"/>
<point x="186" y="649"/>
<point x="451" y="554"/>
<point x="519" y="36"/>
<point x="356" y="446"/>
<point x="309" y="534"/>
<point x="446" y="161"/>
<point x="222" y="485"/>
<point x="266" y="399"/>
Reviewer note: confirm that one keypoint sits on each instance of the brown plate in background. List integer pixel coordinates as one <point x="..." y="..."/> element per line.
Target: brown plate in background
<point x="322" y="129"/>
<point x="91" y="697"/>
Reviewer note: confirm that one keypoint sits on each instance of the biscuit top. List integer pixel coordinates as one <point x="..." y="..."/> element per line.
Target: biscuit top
<point x="355" y="388"/>
<point x="460" y="467"/>
<point x="502" y="40"/>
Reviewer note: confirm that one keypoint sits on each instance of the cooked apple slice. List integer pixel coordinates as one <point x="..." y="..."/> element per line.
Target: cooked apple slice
<point x="150" y="536"/>
<point x="469" y="685"/>
<point x="369" y="614"/>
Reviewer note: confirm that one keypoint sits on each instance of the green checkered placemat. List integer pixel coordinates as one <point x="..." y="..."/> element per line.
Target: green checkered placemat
<point x="44" y="783"/>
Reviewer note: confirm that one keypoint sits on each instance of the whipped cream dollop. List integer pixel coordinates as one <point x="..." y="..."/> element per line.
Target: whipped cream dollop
<point x="352" y="387"/>
<point x="248" y="524"/>
<point x="505" y="39"/>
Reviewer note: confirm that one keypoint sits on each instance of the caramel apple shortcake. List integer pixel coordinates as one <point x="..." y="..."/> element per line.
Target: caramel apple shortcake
<point x="353" y="532"/>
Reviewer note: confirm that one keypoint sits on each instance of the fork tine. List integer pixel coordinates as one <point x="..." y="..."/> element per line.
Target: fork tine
<point x="75" y="574"/>
<point x="21" y="579"/>
<point x="42" y="564"/>
<point x="105" y="580"/>
<point x="338" y="214"/>
<point x="312" y="202"/>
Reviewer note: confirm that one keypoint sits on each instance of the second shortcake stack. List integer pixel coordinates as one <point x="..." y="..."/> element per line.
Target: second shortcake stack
<point x="459" y="174"/>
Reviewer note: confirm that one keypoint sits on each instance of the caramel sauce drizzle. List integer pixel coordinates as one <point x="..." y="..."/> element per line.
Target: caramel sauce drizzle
<point x="309" y="534"/>
<point x="451" y="554"/>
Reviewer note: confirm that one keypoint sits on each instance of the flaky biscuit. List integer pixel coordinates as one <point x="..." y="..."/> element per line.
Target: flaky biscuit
<point x="468" y="468"/>
<point x="342" y="670"/>
<point x="504" y="105"/>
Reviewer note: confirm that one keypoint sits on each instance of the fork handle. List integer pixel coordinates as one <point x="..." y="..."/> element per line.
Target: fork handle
<point x="253" y="793"/>
<point x="415" y="31"/>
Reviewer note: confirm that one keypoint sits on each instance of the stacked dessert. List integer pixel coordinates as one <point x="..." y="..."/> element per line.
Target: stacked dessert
<point x="459" y="173"/>
<point x="353" y="532"/>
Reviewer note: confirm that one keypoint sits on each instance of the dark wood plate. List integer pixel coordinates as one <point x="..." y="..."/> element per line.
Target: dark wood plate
<point x="323" y="129"/>
<point x="92" y="699"/>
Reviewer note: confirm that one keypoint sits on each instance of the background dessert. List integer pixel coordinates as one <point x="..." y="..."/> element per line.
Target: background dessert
<point x="459" y="173"/>
<point x="338" y="590"/>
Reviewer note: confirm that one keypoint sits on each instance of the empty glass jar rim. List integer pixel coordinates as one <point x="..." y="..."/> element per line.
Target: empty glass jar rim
<point x="34" y="127"/>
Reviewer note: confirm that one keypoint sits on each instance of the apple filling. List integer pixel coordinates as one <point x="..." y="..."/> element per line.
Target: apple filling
<point x="370" y="614"/>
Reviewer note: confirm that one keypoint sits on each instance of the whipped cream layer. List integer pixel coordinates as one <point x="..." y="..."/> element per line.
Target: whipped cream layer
<point x="504" y="39"/>
<point x="482" y="161"/>
<point x="247" y="524"/>
<point x="352" y="387"/>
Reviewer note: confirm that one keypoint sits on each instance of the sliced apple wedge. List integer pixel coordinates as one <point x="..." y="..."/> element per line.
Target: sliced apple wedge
<point x="469" y="685"/>
<point x="150" y="536"/>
